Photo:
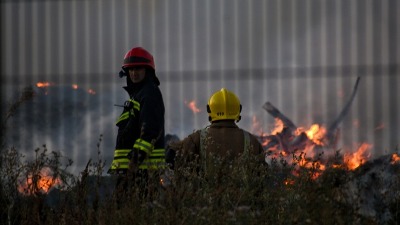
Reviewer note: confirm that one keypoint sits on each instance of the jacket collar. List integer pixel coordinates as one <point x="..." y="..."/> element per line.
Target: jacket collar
<point x="224" y="123"/>
<point x="132" y="88"/>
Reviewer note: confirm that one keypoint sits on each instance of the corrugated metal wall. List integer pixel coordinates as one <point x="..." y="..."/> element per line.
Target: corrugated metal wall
<point x="303" y="56"/>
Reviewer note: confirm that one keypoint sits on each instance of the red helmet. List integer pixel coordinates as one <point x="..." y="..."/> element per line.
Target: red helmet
<point x="138" y="57"/>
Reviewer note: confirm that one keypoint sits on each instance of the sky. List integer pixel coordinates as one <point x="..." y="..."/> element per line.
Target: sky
<point x="303" y="56"/>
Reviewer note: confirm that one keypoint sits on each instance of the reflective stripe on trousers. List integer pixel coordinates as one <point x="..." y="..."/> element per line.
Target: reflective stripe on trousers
<point x="156" y="160"/>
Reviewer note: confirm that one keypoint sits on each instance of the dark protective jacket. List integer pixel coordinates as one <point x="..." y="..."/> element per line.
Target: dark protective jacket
<point x="222" y="139"/>
<point x="141" y="126"/>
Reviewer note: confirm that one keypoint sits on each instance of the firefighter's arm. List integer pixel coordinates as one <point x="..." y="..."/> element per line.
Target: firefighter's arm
<point x="151" y="118"/>
<point x="190" y="149"/>
<point x="141" y="149"/>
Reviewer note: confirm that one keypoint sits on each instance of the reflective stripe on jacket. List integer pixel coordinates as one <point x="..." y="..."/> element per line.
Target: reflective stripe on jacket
<point x="126" y="114"/>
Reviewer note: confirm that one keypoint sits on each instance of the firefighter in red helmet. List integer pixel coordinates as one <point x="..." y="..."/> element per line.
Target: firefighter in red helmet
<point x="139" y="145"/>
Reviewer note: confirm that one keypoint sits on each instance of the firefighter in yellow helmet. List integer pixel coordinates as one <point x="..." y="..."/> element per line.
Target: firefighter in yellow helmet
<point x="222" y="138"/>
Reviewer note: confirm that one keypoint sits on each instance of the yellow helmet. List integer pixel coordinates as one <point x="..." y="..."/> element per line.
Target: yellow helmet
<point x="224" y="105"/>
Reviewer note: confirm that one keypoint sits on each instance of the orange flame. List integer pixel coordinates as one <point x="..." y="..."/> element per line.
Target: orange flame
<point x="395" y="158"/>
<point x="43" y="183"/>
<point x="192" y="106"/>
<point x="354" y="160"/>
<point x="288" y="182"/>
<point x="74" y="86"/>
<point x="43" y="84"/>
<point x="278" y="126"/>
<point x="316" y="135"/>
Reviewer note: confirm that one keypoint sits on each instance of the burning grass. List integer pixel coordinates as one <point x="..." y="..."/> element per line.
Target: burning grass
<point x="242" y="192"/>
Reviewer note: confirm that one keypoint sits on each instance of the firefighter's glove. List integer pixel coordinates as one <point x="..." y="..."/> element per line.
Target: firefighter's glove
<point x="136" y="156"/>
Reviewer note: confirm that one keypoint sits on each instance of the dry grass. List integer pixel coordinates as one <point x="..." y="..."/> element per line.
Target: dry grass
<point x="235" y="194"/>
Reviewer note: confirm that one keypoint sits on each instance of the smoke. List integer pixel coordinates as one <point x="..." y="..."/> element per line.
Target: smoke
<point x="67" y="120"/>
<point x="71" y="120"/>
